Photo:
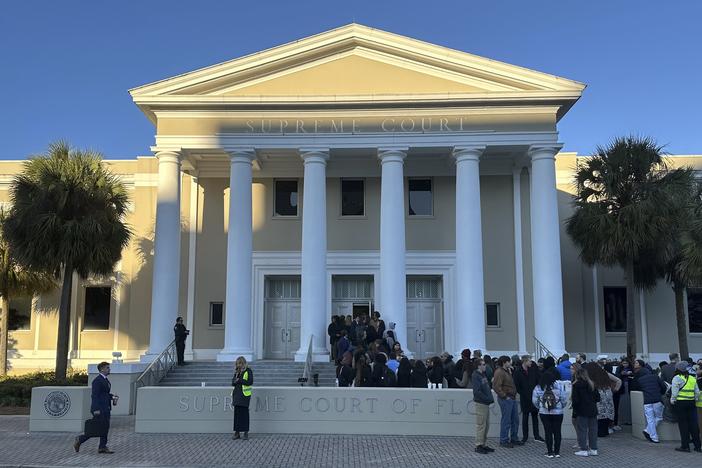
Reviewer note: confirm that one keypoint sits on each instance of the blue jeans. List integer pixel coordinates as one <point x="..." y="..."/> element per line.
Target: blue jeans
<point x="509" y="422"/>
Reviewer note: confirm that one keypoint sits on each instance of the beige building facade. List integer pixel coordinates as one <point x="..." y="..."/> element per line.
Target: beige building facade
<point x="350" y="171"/>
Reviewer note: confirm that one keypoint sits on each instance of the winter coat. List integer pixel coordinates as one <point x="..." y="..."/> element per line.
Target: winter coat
<point x="584" y="400"/>
<point x="538" y="401"/>
<point x="482" y="393"/>
<point x="418" y="379"/>
<point x="564" y="370"/>
<point x="240" y="379"/>
<point x="650" y="385"/>
<point x="503" y="384"/>
<point x="525" y="381"/>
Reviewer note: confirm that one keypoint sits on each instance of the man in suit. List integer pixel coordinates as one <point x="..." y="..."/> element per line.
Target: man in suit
<point x="181" y="333"/>
<point x="101" y="401"/>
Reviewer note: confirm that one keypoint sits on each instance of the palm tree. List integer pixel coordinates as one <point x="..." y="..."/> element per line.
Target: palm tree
<point x="15" y="281"/>
<point x="67" y="216"/>
<point x="680" y="259"/>
<point x="619" y="205"/>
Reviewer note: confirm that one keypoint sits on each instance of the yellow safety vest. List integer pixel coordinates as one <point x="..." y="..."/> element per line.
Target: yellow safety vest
<point x="246" y="389"/>
<point x="687" y="393"/>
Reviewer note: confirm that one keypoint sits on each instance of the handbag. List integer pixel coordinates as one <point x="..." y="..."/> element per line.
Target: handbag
<point x="96" y="427"/>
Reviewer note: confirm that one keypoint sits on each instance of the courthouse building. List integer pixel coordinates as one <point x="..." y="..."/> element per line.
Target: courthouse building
<point x="351" y="171"/>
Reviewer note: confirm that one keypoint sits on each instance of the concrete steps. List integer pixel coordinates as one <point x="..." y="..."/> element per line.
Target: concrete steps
<point x="266" y="374"/>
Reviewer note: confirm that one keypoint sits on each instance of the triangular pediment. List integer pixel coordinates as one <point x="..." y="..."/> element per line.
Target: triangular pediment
<point x="355" y="63"/>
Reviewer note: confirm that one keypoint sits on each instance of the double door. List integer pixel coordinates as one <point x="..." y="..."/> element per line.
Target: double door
<point x="282" y="325"/>
<point x="424" y="332"/>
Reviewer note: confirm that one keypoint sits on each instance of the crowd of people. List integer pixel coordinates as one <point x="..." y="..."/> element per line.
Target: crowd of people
<point x="369" y="355"/>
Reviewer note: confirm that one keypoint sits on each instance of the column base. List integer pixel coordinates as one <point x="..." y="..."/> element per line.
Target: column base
<point x="231" y="355"/>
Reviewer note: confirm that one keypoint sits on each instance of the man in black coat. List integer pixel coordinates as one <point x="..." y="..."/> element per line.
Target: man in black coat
<point x="181" y="333"/>
<point x="101" y="401"/>
<point x="652" y="388"/>
<point x="526" y="377"/>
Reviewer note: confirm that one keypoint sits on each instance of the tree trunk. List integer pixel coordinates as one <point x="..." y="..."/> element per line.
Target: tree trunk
<point x="630" y="310"/>
<point x="4" y="324"/>
<point x="681" y="321"/>
<point x="64" y="323"/>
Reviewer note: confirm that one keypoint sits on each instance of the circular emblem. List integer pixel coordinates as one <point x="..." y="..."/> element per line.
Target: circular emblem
<point x="57" y="404"/>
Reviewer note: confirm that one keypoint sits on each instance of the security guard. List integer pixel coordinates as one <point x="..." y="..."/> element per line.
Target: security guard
<point x="684" y="393"/>
<point x="181" y="333"/>
<point x="241" y="397"/>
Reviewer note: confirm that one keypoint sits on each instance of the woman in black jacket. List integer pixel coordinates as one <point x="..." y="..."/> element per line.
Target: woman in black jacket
<point x="418" y="379"/>
<point x="436" y="373"/>
<point x="584" y="397"/>
<point x="241" y="396"/>
<point x="404" y="373"/>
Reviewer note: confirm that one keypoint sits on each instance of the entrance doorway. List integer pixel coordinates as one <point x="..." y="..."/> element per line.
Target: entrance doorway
<point x="352" y="295"/>
<point x="424" y="316"/>
<point x="281" y="322"/>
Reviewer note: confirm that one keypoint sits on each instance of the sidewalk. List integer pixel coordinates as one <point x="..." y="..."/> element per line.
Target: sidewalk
<point x="20" y="448"/>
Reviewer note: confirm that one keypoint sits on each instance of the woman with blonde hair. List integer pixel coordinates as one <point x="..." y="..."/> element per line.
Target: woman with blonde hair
<point x="241" y="396"/>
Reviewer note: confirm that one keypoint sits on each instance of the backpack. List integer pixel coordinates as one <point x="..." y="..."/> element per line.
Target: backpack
<point x="548" y="399"/>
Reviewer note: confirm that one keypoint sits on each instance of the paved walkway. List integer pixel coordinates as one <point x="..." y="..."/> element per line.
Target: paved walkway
<point x="20" y="448"/>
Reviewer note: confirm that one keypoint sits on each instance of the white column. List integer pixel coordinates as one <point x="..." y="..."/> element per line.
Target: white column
<point x="546" y="249"/>
<point x="192" y="248"/>
<point x="596" y="309"/>
<point x="393" y="281"/>
<point x="644" y="322"/>
<point x="518" y="265"/>
<point x="314" y="313"/>
<point x="165" y="287"/>
<point x="470" y="296"/>
<point x="237" y="306"/>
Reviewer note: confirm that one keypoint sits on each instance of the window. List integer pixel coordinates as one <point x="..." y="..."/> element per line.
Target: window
<point x="352" y="197"/>
<point x="286" y="198"/>
<point x="97" y="308"/>
<point x="492" y="312"/>
<point x="216" y="314"/>
<point x="615" y="309"/>
<point x="20" y="313"/>
<point x="420" y="197"/>
<point x="694" y="309"/>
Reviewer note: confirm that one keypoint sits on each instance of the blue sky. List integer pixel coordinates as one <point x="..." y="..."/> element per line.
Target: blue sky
<point x="66" y="66"/>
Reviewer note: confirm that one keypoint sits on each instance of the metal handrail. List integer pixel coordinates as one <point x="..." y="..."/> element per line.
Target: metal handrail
<point x="158" y="368"/>
<point x="540" y="350"/>
<point x="308" y="365"/>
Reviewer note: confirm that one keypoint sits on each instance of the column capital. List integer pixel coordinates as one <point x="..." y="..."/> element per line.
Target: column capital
<point x="467" y="153"/>
<point x="167" y="154"/>
<point x="316" y="155"/>
<point x="241" y="154"/>
<point x="392" y="153"/>
<point x="548" y="151"/>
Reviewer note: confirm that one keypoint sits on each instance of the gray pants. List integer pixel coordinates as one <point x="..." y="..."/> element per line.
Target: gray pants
<point x="587" y="432"/>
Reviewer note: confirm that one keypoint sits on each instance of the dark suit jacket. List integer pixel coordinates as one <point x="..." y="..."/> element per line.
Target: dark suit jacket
<point x="100" y="397"/>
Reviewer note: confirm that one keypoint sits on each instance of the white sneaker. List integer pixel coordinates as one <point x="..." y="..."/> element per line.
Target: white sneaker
<point x="582" y="453"/>
<point x="610" y="431"/>
<point x="592" y="453"/>
<point x="617" y="428"/>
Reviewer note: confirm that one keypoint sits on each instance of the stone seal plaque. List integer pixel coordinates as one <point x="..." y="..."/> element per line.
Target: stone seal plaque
<point x="57" y="404"/>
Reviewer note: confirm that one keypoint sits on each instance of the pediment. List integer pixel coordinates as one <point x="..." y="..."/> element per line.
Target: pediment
<point x="355" y="63"/>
